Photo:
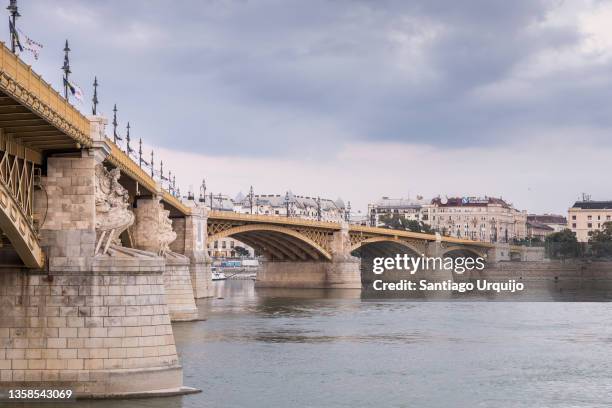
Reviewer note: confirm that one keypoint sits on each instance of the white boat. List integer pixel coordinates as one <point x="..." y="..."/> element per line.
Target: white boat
<point x="217" y="276"/>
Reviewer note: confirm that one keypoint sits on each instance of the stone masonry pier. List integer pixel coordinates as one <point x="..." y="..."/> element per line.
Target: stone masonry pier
<point x="97" y="319"/>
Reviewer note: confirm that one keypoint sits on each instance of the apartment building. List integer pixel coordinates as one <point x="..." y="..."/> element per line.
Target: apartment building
<point x="587" y="216"/>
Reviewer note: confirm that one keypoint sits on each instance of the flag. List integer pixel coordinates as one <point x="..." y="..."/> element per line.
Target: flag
<point x="74" y="89"/>
<point x="15" y="34"/>
<point x="31" y="46"/>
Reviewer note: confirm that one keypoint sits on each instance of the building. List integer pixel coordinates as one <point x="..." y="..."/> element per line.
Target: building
<point x="297" y="206"/>
<point x="227" y="248"/>
<point x="224" y="247"/>
<point x="554" y="221"/>
<point x="404" y="207"/>
<point x="587" y="216"/>
<point x="219" y="202"/>
<point x="538" y="230"/>
<point x="487" y="219"/>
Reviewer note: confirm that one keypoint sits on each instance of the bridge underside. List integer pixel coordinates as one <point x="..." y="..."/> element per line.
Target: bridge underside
<point x="276" y="242"/>
<point x="276" y="246"/>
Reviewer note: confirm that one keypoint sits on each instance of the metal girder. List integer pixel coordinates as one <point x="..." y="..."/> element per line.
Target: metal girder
<point x="17" y="167"/>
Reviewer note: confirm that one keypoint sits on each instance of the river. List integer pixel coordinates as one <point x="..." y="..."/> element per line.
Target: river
<point x="317" y="348"/>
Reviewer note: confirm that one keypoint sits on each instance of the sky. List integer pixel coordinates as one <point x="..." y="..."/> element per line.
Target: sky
<point x="354" y="99"/>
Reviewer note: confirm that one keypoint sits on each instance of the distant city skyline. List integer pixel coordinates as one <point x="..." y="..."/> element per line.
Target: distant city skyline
<point x="352" y="99"/>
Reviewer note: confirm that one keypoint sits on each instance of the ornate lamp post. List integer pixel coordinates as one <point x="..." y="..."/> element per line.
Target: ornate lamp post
<point x="127" y="140"/>
<point x="95" y="97"/>
<point x="251" y="199"/>
<point x="66" y="69"/>
<point x="347" y="215"/>
<point x="220" y="198"/>
<point x="14" y="12"/>
<point x="202" y="198"/>
<point x="115" y="136"/>
<point x="140" y="151"/>
<point x="287" y="203"/>
<point x="152" y="166"/>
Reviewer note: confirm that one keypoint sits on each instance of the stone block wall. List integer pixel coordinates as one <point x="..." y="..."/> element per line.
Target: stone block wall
<point x="200" y="268"/>
<point x="103" y="333"/>
<point x="178" y="288"/>
<point x="309" y="275"/>
<point x="66" y="211"/>
<point x="191" y="242"/>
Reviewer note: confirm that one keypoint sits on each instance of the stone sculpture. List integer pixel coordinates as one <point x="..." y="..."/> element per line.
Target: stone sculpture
<point x="153" y="229"/>
<point x="113" y="213"/>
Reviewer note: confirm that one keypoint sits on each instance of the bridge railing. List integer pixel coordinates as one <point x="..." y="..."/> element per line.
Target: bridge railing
<point x="417" y="235"/>
<point x="273" y="219"/>
<point x="123" y="162"/>
<point x="21" y="82"/>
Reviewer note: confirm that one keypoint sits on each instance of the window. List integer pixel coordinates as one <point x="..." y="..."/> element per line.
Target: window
<point x="590" y="225"/>
<point x="589" y="218"/>
<point x="598" y="217"/>
<point x="573" y="217"/>
<point x="223" y="244"/>
<point x="573" y="225"/>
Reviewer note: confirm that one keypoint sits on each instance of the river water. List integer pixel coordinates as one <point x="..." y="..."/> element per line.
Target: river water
<point x="317" y="348"/>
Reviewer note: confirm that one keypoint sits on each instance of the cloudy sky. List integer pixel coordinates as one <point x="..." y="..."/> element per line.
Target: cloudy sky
<point x="357" y="99"/>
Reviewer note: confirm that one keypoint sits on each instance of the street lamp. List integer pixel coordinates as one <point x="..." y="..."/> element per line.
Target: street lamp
<point x="190" y="194"/>
<point x="287" y="203"/>
<point x="348" y="212"/>
<point x="318" y="208"/>
<point x="251" y="199"/>
<point x="220" y="198"/>
<point x="202" y="198"/>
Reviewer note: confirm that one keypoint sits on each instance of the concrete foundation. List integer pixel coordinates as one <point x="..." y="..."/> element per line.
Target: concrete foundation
<point x="178" y="288"/>
<point x="310" y="275"/>
<point x="102" y="332"/>
<point x="200" y="269"/>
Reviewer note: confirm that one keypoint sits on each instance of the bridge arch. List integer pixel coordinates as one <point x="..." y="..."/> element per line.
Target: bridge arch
<point x="386" y="246"/>
<point x="15" y="224"/>
<point x="276" y="242"/>
<point x="463" y="251"/>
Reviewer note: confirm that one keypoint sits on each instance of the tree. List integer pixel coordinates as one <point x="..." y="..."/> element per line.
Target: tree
<point x="562" y="244"/>
<point x="601" y="240"/>
<point x="397" y="222"/>
<point x="241" y="251"/>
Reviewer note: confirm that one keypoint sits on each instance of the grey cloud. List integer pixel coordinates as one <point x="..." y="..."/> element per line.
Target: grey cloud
<point x="296" y="78"/>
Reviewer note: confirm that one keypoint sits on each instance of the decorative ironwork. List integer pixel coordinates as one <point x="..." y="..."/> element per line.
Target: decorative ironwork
<point x="66" y="69"/>
<point x="18" y="166"/>
<point x="94" y="100"/>
<point x="38" y="96"/>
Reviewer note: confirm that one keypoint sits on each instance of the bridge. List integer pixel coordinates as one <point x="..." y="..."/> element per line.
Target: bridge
<point x="97" y="258"/>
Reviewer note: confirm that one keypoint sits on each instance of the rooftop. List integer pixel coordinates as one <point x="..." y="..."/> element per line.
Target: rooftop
<point x="387" y="202"/>
<point x="547" y="218"/>
<point x="469" y="202"/>
<point x="593" y="205"/>
<point x="539" y="225"/>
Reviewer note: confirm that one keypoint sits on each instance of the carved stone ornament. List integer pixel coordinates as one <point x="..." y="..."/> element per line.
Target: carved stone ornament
<point x="113" y="213"/>
<point x="153" y="229"/>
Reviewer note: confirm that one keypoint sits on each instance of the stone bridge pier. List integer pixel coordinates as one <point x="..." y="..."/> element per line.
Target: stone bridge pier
<point x="96" y="319"/>
<point x="340" y="271"/>
<point x="191" y="231"/>
<point x="152" y="231"/>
